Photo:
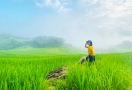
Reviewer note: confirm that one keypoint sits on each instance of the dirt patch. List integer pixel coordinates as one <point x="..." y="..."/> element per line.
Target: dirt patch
<point x="56" y="75"/>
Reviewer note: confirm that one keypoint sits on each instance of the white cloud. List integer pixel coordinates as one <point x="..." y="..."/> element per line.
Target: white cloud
<point x="103" y="21"/>
<point x="63" y="9"/>
<point x="110" y="8"/>
<point x="48" y="2"/>
<point x="58" y="5"/>
<point x="38" y="4"/>
<point x="111" y="19"/>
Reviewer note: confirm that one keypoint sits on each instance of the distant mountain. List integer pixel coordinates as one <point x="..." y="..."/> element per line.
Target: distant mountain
<point x="122" y="47"/>
<point x="11" y="42"/>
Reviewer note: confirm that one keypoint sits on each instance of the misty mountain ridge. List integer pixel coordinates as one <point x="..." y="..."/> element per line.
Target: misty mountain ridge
<point x="11" y="42"/>
<point x="124" y="46"/>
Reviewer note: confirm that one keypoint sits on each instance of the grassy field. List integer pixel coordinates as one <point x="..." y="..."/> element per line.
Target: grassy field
<point x="43" y="51"/>
<point x="23" y="71"/>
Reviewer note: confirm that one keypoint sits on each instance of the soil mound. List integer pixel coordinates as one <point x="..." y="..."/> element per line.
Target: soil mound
<point x="57" y="74"/>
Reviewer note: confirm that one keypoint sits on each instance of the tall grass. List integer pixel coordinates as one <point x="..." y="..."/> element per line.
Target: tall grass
<point x="109" y="73"/>
<point x="28" y="72"/>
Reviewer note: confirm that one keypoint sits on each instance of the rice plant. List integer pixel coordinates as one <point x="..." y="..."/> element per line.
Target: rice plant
<point x="28" y="72"/>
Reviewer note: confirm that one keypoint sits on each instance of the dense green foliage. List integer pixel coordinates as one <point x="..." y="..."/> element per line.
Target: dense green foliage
<point x="28" y="72"/>
<point x="47" y="41"/>
<point x="11" y="42"/>
<point x="110" y="72"/>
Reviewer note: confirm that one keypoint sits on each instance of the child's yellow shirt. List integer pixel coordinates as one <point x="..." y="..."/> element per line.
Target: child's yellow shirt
<point x="91" y="50"/>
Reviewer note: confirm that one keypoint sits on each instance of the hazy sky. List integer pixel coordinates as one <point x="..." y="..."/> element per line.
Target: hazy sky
<point x="105" y="22"/>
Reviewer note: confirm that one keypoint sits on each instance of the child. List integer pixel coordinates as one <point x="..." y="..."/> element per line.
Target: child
<point x="91" y="53"/>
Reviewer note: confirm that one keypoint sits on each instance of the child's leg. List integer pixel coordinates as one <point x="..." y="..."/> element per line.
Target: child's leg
<point x="94" y="58"/>
<point x="91" y="59"/>
<point x="87" y="57"/>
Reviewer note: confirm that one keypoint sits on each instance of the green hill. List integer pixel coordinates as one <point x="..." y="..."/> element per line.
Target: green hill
<point x="43" y="51"/>
<point x="11" y="42"/>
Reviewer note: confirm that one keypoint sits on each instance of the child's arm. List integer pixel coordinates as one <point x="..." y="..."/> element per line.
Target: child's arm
<point x="86" y="45"/>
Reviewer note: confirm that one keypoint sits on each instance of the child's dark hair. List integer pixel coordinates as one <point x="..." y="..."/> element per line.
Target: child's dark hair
<point x="89" y="41"/>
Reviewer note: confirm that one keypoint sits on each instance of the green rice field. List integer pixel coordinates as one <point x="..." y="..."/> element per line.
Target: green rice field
<point x="28" y="72"/>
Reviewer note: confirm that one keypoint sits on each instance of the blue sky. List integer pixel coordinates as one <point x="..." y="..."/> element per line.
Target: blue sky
<point x="106" y="22"/>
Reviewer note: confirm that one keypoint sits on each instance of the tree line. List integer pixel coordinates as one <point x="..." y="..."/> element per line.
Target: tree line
<point x="11" y="42"/>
